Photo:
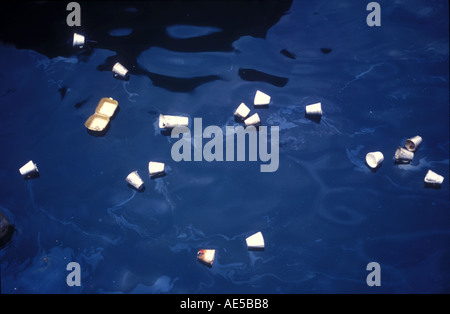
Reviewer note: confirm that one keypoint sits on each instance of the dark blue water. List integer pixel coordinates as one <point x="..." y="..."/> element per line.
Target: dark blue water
<point x="324" y="215"/>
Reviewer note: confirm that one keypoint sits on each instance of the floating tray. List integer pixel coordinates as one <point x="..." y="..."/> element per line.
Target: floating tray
<point x="107" y="107"/>
<point x="97" y="122"/>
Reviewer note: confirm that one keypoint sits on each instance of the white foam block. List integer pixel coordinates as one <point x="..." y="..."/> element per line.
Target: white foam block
<point x="261" y="99"/>
<point x="255" y="241"/>
<point x="29" y="168"/>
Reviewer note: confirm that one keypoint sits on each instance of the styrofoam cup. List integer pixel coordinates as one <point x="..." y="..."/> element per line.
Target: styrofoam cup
<point x="374" y="159"/>
<point x="120" y="70"/>
<point x="78" y="40"/>
<point x="314" y="109"/>
<point x="156" y="168"/>
<point x="433" y="178"/>
<point x="413" y="143"/>
<point x="403" y="155"/>
<point x="135" y="180"/>
<point x="253" y="120"/>
<point x="261" y="99"/>
<point x="29" y="168"/>
<point x="242" y="111"/>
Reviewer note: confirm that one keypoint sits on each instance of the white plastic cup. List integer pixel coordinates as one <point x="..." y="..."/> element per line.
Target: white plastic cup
<point x="374" y="159"/>
<point x="255" y="241"/>
<point x="29" y="168"/>
<point x="156" y="168"/>
<point x="261" y="99"/>
<point x="403" y="155"/>
<point x="170" y="122"/>
<point x="314" y="109"/>
<point x="413" y="143"/>
<point x="242" y="111"/>
<point x="253" y="120"/>
<point x="120" y="70"/>
<point x="78" y="40"/>
<point x="135" y="180"/>
<point x="433" y="178"/>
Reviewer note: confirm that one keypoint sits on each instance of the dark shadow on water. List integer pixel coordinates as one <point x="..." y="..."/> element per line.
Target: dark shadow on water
<point x="256" y="249"/>
<point x="432" y="186"/>
<point x="115" y="113"/>
<point x="81" y="103"/>
<point x="141" y="190"/>
<point x="287" y="54"/>
<point x="33" y="175"/>
<point x="252" y="75"/>
<point x="166" y="132"/>
<point x="402" y="162"/>
<point x="158" y="176"/>
<point x="374" y="170"/>
<point x="314" y="118"/>
<point x="260" y="106"/>
<point x="5" y="240"/>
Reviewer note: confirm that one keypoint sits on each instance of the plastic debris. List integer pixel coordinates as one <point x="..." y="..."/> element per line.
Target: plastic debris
<point x="432" y="178"/>
<point x="78" y="40"/>
<point x="253" y="120"/>
<point x="104" y="111"/>
<point x="314" y="110"/>
<point x="206" y="256"/>
<point x="135" y="180"/>
<point x="412" y="144"/>
<point x="30" y="168"/>
<point x="169" y="122"/>
<point x="403" y="155"/>
<point x="119" y="70"/>
<point x="156" y="168"/>
<point x="255" y="241"/>
<point x="242" y="111"/>
<point x="261" y="99"/>
<point x="374" y="159"/>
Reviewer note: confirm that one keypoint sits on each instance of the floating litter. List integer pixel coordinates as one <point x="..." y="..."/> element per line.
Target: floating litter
<point x="104" y="111"/>
<point x="261" y="99"/>
<point x="403" y="155"/>
<point x="253" y="120"/>
<point x="374" y="159"/>
<point x="135" y="180"/>
<point x="206" y="256"/>
<point x="29" y="168"/>
<point x="119" y="70"/>
<point x="413" y="143"/>
<point x="170" y="122"/>
<point x="242" y="111"/>
<point x="78" y="40"/>
<point x="156" y="168"/>
<point x="314" y="109"/>
<point x="433" y="178"/>
<point x="255" y="241"/>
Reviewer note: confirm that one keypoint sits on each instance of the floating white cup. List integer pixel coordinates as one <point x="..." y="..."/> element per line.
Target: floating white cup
<point x="413" y="143"/>
<point x="78" y="40"/>
<point x="155" y="168"/>
<point x="135" y="180"/>
<point x="261" y="99"/>
<point x="255" y="241"/>
<point x="314" y="109"/>
<point x="170" y="122"/>
<point x="374" y="159"/>
<point x="253" y="120"/>
<point x="433" y="178"/>
<point x="403" y="155"/>
<point x="242" y="111"/>
<point x="28" y="169"/>
<point x="120" y="70"/>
